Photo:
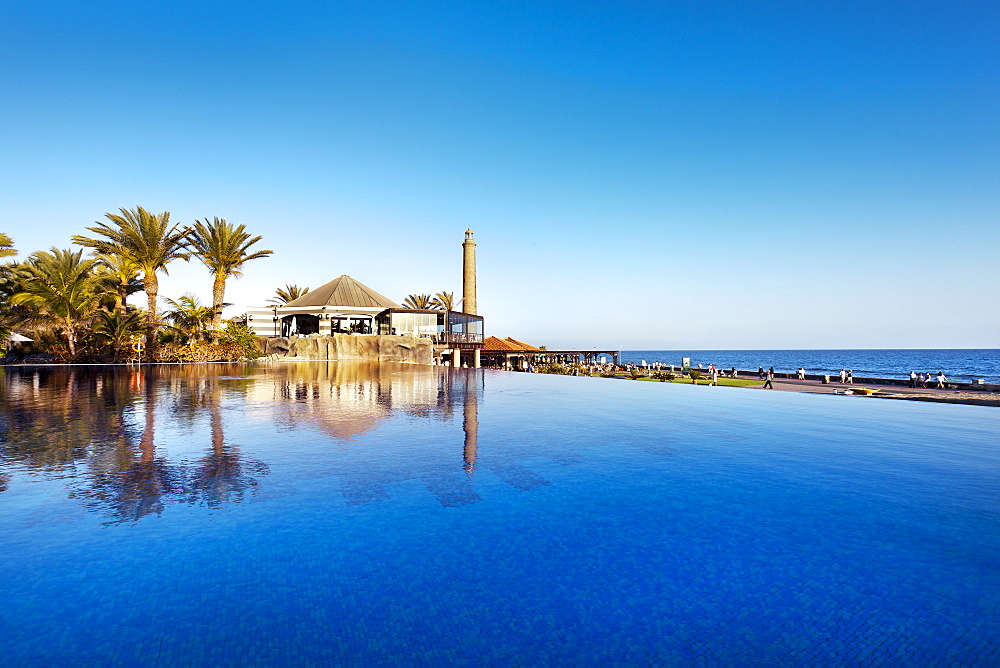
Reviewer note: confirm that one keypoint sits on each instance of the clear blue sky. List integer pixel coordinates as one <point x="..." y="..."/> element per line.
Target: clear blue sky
<point x="638" y="174"/>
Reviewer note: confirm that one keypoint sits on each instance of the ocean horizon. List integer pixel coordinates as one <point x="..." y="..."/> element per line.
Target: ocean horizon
<point x="958" y="364"/>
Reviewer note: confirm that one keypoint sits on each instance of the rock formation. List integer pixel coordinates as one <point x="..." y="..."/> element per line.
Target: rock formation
<point x="351" y="347"/>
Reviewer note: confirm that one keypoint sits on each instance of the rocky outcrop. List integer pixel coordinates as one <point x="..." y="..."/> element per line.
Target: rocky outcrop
<point x="349" y="347"/>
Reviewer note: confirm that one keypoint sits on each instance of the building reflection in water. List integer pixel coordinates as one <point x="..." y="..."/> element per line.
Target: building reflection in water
<point x="113" y="432"/>
<point x="348" y="401"/>
<point x="470" y="425"/>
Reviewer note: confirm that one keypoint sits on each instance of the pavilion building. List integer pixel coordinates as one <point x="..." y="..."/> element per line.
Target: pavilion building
<point x="347" y="306"/>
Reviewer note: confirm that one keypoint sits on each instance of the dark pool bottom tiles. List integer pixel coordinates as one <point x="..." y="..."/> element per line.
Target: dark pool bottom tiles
<point x="452" y="489"/>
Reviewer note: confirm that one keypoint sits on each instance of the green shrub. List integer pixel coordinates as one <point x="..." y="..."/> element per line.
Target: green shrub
<point x="241" y="336"/>
<point x="664" y="376"/>
<point x="695" y="374"/>
<point x="553" y="368"/>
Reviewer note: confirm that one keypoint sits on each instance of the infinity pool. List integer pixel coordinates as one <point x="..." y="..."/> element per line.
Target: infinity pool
<point x="339" y="513"/>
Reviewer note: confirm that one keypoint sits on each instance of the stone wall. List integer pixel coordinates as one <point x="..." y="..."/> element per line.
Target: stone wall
<point x="351" y="347"/>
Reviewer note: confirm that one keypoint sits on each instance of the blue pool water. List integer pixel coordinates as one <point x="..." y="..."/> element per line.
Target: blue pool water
<point x="360" y="514"/>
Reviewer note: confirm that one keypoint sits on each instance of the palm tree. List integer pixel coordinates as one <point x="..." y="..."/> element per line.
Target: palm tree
<point x="189" y="316"/>
<point x="7" y="323"/>
<point x="147" y="240"/>
<point x="15" y="315"/>
<point x="444" y="301"/>
<point x="224" y="249"/>
<point x="418" y="301"/>
<point x="287" y="294"/>
<point x="118" y="328"/>
<point x="6" y="246"/>
<point x="121" y="275"/>
<point x="61" y="285"/>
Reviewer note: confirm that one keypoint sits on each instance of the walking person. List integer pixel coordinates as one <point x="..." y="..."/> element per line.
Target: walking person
<point x="913" y="379"/>
<point x="715" y="376"/>
<point x="760" y="372"/>
<point x="941" y="380"/>
<point x="924" y="379"/>
<point x="768" y="385"/>
<point x="802" y="373"/>
<point x="843" y="376"/>
<point x="850" y="377"/>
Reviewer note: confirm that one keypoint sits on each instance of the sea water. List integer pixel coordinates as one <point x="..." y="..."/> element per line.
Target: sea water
<point x="961" y="365"/>
<point x="343" y="513"/>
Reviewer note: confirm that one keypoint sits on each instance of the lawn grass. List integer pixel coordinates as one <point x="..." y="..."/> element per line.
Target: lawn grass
<point x="723" y="382"/>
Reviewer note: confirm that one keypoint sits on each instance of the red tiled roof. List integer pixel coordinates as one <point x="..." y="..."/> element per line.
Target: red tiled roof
<point x="521" y="344"/>
<point x="493" y="343"/>
<point x="506" y="345"/>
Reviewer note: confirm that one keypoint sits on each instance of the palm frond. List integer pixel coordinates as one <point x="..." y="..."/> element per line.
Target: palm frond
<point x="287" y="294"/>
<point x="223" y="247"/>
<point x="6" y="246"/>
<point x="418" y="301"/>
<point x="444" y="301"/>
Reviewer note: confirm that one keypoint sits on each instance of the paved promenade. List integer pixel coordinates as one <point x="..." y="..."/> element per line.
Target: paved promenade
<point x="886" y="391"/>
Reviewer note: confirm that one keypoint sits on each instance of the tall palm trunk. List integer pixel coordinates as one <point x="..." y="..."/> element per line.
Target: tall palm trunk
<point x="218" y="294"/>
<point x="152" y="286"/>
<point x="71" y="337"/>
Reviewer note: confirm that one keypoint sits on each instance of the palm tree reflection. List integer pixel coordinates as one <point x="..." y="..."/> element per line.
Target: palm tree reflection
<point x="220" y="476"/>
<point x="112" y="432"/>
<point x="134" y="482"/>
<point x="99" y="429"/>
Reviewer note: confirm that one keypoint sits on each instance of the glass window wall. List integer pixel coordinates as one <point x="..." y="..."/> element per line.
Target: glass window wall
<point x="460" y="327"/>
<point x="420" y="324"/>
<point x="465" y="328"/>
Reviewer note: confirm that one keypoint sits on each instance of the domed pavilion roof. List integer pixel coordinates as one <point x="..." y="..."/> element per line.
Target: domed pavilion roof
<point x="343" y="291"/>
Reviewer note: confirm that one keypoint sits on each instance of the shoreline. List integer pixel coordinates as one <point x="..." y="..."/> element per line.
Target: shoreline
<point x="962" y="365"/>
<point x="904" y="393"/>
<point x="885" y="388"/>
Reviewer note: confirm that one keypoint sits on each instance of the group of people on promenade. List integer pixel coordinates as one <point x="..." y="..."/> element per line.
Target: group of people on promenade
<point x="767" y="377"/>
<point x="847" y="378"/>
<point x="925" y="380"/>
